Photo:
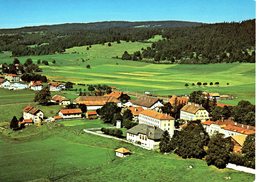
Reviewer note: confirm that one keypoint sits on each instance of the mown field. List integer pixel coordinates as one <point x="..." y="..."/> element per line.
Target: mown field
<point x="68" y="154"/>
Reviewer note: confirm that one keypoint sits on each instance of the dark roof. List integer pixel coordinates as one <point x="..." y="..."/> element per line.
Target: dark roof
<point x="145" y="101"/>
<point x="31" y="110"/>
<point x="152" y="132"/>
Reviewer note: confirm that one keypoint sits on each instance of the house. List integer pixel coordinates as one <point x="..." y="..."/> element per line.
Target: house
<point x="56" y="118"/>
<point x="115" y="94"/>
<point x="60" y="100"/>
<point x="122" y="152"/>
<point x="91" y="115"/>
<point x="178" y="100"/>
<point x="70" y="113"/>
<point x="145" y="135"/>
<point x="36" y="115"/>
<point x="147" y="102"/>
<point x="5" y="84"/>
<point x="36" y="85"/>
<point x="226" y="97"/>
<point x="227" y="127"/>
<point x="193" y="112"/>
<point x="160" y="120"/>
<point x="2" y="80"/>
<point x="95" y="102"/>
<point x="238" y="142"/>
<point x="18" y="86"/>
<point x="56" y="86"/>
<point x="222" y="105"/>
<point x="12" y="77"/>
<point x="211" y="96"/>
<point x="135" y="111"/>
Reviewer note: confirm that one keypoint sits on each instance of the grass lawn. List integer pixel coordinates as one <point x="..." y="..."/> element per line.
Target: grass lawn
<point x="67" y="154"/>
<point x="97" y="123"/>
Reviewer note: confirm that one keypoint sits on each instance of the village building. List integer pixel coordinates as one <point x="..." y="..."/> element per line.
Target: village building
<point x="178" y="100"/>
<point x="211" y="96"/>
<point x="223" y="105"/>
<point x="147" y="102"/>
<point x="91" y="115"/>
<point x="193" y="112"/>
<point x="145" y="135"/>
<point x="135" y="111"/>
<point x="115" y="94"/>
<point x="5" y="84"/>
<point x="18" y="86"/>
<point x="56" y="86"/>
<point x="122" y="152"/>
<point x="58" y="99"/>
<point x="36" y="115"/>
<point x="26" y="122"/>
<point x="36" y="85"/>
<point x="238" y="142"/>
<point x="12" y="77"/>
<point x="70" y="113"/>
<point x="227" y="127"/>
<point x="96" y="102"/>
<point x="226" y="97"/>
<point x="160" y="120"/>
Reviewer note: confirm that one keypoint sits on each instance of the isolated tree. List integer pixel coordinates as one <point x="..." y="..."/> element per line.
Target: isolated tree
<point x="68" y="85"/>
<point x="186" y="84"/>
<point x="217" y="83"/>
<point x="249" y="151"/>
<point x="164" y="145"/>
<point x="193" y="84"/>
<point x="199" y="83"/>
<point x="109" y="44"/>
<point x="14" y="123"/>
<point x="53" y="61"/>
<point x="211" y="83"/>
<point x="88" y="66"/>
<point x="16" y="61"/>
<point x="205" y="84"/>
<point x="126" y="56"/>
<point x="43" y="96"/>
<point x="38" y="61"/>
<point x="28" y="62"/>
<point x="218" y="152"/>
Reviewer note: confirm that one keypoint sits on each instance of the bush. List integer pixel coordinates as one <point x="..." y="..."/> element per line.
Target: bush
<point x="113" y="132"/>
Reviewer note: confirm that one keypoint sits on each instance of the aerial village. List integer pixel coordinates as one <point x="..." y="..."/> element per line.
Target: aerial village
<point x="148" y="118"/>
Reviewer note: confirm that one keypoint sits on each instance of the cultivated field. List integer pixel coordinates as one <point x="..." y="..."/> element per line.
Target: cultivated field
<point x="68" y="154"/>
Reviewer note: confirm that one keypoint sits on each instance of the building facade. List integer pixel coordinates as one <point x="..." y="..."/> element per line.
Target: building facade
<point x="193" y="112"/>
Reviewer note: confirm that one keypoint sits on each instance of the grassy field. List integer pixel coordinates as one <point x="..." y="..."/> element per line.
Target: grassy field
<point x="68" y="154"/>
<point x="161" y="79"/>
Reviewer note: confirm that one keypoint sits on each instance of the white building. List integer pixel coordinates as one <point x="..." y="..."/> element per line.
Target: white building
<point x="70" y="113"/>
<point x="18" y="86"/>
<point x="193" y="112"/>
<point x="160" y="120"/>
<point x="147" y="102"/>
<point x="228" y="128"/>
<point x="60" y="100"/>
<point x="5" y="84"/>
<point x="12" y="77"/>
<point x="122" y="152"/>
<point x="36" y="85"/>
<point x="96" y="102"/>
<point x="145" y="135"/>
<point x="30" y="112"/>
<point x="56" y="86"/>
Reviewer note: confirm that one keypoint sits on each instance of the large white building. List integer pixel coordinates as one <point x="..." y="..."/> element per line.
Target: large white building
<point x="145" y="135"/>
<point x="36" y="115"/>
<point x="36" y="85"/>
<point x="228" y="128"/>
<point x="193" y="112"/>
<point x="70" y="113"/>
<point x="160" y="120"/>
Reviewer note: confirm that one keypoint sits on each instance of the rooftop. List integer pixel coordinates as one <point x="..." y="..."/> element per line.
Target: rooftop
<point x="122" y="150"/>
<point x="31" y="110"/>
<point x="135" y="110"/>
<point x="177" y="100"/>
<point x="192" y="108"/>
<point x="58" y="98"/>
<point x="152" y="132"/>
<point x="145" y="101"/>
<point x="95" y="100"/>
<point x="156" y="115"/>
<point x="71" y="111"/>
<point x="115" y="94"/>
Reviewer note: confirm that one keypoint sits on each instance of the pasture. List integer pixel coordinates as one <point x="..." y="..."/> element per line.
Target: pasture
<point x="68" y="154"/>
<point x="237" y="79"/>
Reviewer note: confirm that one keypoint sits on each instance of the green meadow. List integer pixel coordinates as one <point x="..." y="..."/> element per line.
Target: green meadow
<point x="51" y="153"/>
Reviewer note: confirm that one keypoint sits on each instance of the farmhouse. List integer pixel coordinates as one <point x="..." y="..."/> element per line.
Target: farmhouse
<point x="12" y="77"/>
<point x="56" y="86"/>
<point x="122" y="152"/>
<point x="160" y="120"/>
<point x="70" y="113"/>
<point x="115" y="94"/>
<point x="60" y="100"/>
<point x="147" y="136"/>
<point x="18" y="86"/>
<point x="211" y="96"/>
<point x="135" y="111"/>
<point x="238" y="142"/>
<point x="178" y="100"/>
<point x="95" y="102"/>
<point x="30" y="112"/>
<point x="228" y="128"/>
<point x="147" y="102"/>
<point x="35" y="85"/>
<point x="5" y="84"/>
<point x="91" y="115"/>
<point x="26" y="122"/>
<point x="192" y="112"/>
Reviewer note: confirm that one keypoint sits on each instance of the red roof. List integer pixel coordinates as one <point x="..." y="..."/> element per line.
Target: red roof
<point x="223" y="105"/>
<point x="136" y="110"/>
<point x="59" y="98"/>
<point x="36" y="83"/>
<point x="177" y="100"/>
<point x="95" y="100"/>
<point x="55" y="84"/>
<point x="57" y="117"/>
<point x="31" y="110"/>
<point x="26" y="121"/>
<point x="71" y="111"/>
<point x="115" y="94"/>
<point x="92" y="112"/>
<point x="13" y="75"/>
<point x="156" y="115"/>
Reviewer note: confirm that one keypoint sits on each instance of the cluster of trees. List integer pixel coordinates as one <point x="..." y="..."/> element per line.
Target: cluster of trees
<point x="99" y="90"/>
<point x="111" y="113"/>
<point x="136" y="56"/>
<point x="43" y="96"/>
<point x="33" y="77"/>
<point x="113" y="131"/>
<point x="204" y="84"/>
<point x="225" y="42"/>
<point x="14" y="124"/>
<point x="17" y="68"/>
<point x="194" y="142"/>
